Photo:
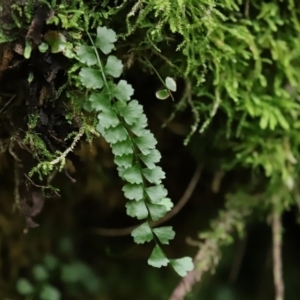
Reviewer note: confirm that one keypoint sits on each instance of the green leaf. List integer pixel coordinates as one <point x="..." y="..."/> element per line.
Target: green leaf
<point x="74" y="272"/>
<point x="138" y="128"/>
<point x="164" y="234"/>
<point x="69" y="51"/>
<point x="167" y="203"/>
<point x="182" y="265"/>
<point x="137" y="209"/>
<point x="86" y="55"/>
<point x="154" y="175"/>
<point x="142" y="234"/>
<point x="43" y="47"/>
<point x="100" y="129"/>
<point x="162" y="94"/>
<point x="40" y="273"/>
<point x="171" y="84"/>
<point x="66" y="246"/>
<point x="151" y="159"/>
<point x="115" y="134"/>
<point x="87" y="105"/>
<point x="281" y="119"/>
<point x="130" y="112"/>
<point x="24" y="287"/>
<point x="145" y="142"/>
<point x="91" y="78"/>
<point x="28" y="49"/>
<point x="49" y="292"/>
<point x="55" y="40"/>
<point x="133" y="174"/>
<point x="124" y="161"/>
<point x="105" y="39"/>
<point x="30" y="77"/>
<point x="156" y="193"/>
<point x="119" y="104"/>
<point x="50" y="261"/>
<point x="122" y="91"/>
<point x="121" y="148"/>
<point x="157" y="211"/>
<point x="108" y="119"/>
<point x="264" y="121"/>
<point x="100" y="101"/>
<point x="121" y="171"/>
<point x="133" y="191"/>
<point x="114" y="66"/>
<point x="157" y="258"/>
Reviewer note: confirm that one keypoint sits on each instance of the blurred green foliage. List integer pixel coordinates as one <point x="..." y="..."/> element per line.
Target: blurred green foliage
<point x="76" y="277"/>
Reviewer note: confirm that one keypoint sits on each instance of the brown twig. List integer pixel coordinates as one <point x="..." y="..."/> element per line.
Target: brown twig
<point x="34" y="184"/>
<point x="7" y="103"/>
<point x="73" y="180"/>
<point x="17" y="201"/>
<point x="237" y="263"/>
<point x="39" y="186"/>
<point x="247" y="8"/>
<point x="277" y="255"/>
<point x="184" y="286"/>
<point x="5" y="60"/>
<point x="186" y="283"/>
<point x="180" y="204"/>
<point x="209" y="253"/>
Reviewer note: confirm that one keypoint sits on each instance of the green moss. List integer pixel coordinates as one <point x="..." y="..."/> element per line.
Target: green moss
<point x="37" y="146"/>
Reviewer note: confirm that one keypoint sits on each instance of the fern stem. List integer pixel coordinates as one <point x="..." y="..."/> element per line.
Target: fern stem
<point x="99" y="63"/>
<point x="137" y="159"/>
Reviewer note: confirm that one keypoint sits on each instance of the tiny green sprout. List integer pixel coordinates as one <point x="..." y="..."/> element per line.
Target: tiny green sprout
<point x="28" y="49"/>
<point x="56" y="41"/>
<point x="162" y="94"/>
<point x="43" y="47"/>
<point x="30" y="77"/>
<point x="170" y="86"/>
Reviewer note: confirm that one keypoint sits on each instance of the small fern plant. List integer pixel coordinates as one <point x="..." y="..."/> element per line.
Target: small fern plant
<point x="123" y="124"/>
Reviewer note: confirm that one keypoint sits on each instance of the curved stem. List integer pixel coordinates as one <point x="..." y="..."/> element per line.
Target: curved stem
<point x="159" y="77"/>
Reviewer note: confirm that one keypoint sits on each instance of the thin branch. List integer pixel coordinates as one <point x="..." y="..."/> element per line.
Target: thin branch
<point x="34" y="184"/>
<point x="3" y="145"/>
<point x="71" y="148"/>
<point x="185" y="197"/>
<point x="237" y="263"/>
<point x="180" y="204"/>
<point x="11" y="151"/>
<point x="247" y="9"/>
<point x="212" y="112"/>
<point x="7" y="104"/>
<point x="17" y="201"/>
<point x="195" y="112"/>
<point x="209" y="253"/>
<point x="166" y="59"/>
<point x="137" y="6"/>
<point x="277" y="255"/>
<point x="39" y="186"/>
<point x="184" y="286"/>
